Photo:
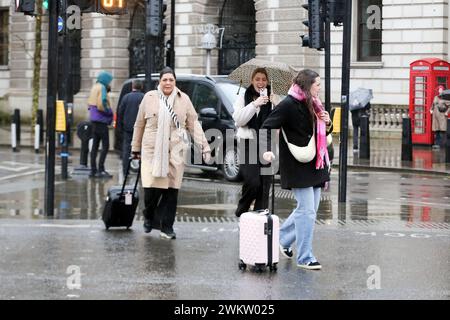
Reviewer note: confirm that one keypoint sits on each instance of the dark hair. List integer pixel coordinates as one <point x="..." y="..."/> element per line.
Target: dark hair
<point x="260" y="70"/>
<point x="137" y="84"/>
<point x="305" y="79"/>
<point x="167" y="70"/>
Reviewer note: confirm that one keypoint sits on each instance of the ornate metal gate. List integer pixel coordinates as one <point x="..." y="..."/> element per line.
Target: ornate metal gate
<point x="136" y="46"/>
<point x="238" y="46"/>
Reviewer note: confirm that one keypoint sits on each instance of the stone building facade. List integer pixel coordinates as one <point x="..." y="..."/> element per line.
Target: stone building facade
<point x="267" y="29"/>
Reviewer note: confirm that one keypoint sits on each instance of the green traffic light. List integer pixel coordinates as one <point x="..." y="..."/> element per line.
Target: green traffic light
<point x="45" y="4"/>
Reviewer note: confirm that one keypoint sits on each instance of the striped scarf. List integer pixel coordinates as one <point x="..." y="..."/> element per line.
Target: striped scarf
<point x="162" y="142"/>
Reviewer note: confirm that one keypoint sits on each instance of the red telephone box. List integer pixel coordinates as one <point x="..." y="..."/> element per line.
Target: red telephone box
<point x="425" y="76"/>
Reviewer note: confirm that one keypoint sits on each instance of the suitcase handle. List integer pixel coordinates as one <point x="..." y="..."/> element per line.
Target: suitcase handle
<point x="126" y="177"/>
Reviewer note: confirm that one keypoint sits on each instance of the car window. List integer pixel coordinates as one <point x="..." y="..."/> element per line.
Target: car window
<point x="231" y="92"/>
<point x="126" y="88"/>
<point x="186" y="87"/>
<point x="204" y="97"/>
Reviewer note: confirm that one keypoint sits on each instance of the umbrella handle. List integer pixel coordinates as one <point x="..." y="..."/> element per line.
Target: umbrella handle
<point x="239" y="89"/>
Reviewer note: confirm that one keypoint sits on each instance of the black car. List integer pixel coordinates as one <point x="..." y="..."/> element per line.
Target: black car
<point x="213" y="98"/>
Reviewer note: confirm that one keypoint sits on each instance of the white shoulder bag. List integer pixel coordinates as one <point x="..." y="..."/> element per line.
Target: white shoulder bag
<point x="305" y="154"/>
<point x="302" y="154"/>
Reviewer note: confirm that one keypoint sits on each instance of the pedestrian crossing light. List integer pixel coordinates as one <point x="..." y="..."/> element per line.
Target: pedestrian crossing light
<point x="315" y="23"/>
<point x="112" y="6"/>
<point x="155" y="16"/>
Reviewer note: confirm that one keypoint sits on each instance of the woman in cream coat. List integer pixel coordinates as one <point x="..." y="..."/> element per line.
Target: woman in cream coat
<point x="160" y="141"/>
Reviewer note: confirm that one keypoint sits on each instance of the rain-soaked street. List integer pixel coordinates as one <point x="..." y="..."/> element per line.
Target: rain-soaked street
<point x="395" y="225"/>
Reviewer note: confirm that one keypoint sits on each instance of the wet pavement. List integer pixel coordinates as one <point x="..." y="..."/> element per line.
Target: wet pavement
<point x="371" y="194"/>
<point x="78" y="259"/>
<point x="395" y="226"/>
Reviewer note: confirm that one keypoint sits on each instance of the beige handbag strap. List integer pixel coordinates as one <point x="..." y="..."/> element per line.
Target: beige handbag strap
<point x="285" y="137"/>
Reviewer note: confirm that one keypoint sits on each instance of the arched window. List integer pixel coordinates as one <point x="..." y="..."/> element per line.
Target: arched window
<point x="238" y="46"/>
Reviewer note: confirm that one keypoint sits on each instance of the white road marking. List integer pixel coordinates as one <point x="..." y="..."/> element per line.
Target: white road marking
<point x="13" y="176"/>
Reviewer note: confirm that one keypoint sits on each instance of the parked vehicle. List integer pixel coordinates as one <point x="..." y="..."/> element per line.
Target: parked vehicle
<point x="213" y="98"/>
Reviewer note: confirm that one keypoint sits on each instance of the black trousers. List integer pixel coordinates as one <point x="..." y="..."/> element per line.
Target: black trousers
<point x="99" y="133"/>
<point x="255" y="188"/>
<point x="126" y="149"/>
<point x="160" y="207"/>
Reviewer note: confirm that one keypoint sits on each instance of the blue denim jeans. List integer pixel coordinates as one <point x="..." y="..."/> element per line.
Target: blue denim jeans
<point x="299" y="226"/>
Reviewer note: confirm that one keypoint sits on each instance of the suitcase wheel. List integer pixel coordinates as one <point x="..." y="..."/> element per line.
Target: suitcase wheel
<point x="273" y="267"/>
<point x="242" y="265"/>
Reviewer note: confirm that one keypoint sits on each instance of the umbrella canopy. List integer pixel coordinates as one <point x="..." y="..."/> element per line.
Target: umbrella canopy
<point x="445" y="95"/>
<point x="280" y="74"/>
<point x="360" y="98"/>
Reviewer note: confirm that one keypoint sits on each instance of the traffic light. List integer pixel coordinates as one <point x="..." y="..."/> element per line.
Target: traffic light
<point x="315" y="23"/>
<point x="336" y="11"/>
<point x="45" y="4"/>
<point x="25" y="6"/>
<point x="163" y="15"/>
<point x="86" y="6"/>
<point x="112" y="6"/>
<point x="155" y="14"/>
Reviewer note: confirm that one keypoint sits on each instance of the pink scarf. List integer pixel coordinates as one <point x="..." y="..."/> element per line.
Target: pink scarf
<point x="321" y="133"/>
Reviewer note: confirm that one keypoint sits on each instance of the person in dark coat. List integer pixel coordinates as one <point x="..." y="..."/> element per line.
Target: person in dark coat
<point x="127" y="112"/>
<point x="356" y="122"/>
<point x="300" y="115"/>
<point x="250" y="112"/>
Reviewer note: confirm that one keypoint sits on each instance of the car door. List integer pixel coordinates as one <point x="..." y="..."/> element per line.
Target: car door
<point x="207" y="104"/>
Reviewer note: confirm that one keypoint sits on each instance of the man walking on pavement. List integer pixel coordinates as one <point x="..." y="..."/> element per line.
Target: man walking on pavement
<point x="126" y="114"/>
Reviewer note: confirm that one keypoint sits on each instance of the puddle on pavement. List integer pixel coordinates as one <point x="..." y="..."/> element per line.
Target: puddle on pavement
<point x="83" y="198"/>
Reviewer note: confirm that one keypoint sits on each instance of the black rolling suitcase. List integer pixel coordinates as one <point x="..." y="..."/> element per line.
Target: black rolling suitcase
<point x="121" y="203"/>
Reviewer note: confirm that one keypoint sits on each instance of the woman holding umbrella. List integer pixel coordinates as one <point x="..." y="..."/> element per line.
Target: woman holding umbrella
<point x="251" y="111"/>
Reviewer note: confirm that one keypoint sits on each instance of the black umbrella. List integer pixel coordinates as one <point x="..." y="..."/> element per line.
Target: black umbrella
<point x="360" y="98"/>
<point x="445" y="95"/>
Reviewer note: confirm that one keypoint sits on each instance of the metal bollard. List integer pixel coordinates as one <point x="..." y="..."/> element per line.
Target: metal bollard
<point x="364" y="142"/>
<point x="17" y="122"/>
<point x="15" y="130"/>
<point x="40" y="122"/>
<point x="37" y="132"/>
<point x="406" y="139"/>
<point x="64" y="156"/>
<point x="447" y="143"/>
<point x="84" y="131"/>
<point x="69" y="107"/>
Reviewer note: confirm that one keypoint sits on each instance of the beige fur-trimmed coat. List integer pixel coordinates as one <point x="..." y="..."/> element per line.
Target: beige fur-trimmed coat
<point x="144" y="135"/>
